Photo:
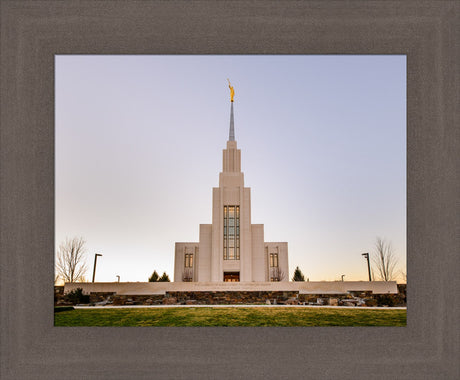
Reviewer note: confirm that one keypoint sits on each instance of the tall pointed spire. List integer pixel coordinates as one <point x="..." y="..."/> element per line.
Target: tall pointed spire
<point x="231" y="136"/>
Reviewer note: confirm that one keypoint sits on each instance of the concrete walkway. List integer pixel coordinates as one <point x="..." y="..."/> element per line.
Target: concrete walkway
<point x="221" y="306"/>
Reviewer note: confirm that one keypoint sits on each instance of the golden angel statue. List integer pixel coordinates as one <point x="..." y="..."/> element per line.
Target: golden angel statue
<point x="232" y="91"/>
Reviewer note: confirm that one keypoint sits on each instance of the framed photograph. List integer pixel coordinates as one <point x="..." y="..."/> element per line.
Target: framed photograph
<point x="147" y="145"/>
<point x="34" y="34"/>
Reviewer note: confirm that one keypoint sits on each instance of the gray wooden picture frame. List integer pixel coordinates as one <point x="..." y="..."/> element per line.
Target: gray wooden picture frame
<point x="33" y="32"/>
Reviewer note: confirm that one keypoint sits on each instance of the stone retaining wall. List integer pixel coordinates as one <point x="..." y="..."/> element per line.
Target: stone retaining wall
<point x="243" y="298"/>
<point x="230" y="298"/>
<point x="153" y="299"/>
<point x="100" y="296"/>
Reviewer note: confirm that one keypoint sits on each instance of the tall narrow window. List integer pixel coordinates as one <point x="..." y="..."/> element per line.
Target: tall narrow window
<point x="231" y="232"/>
<point x="275" y="271"/>
<point x="274" y="260"/>
<point x="188" y="260"/>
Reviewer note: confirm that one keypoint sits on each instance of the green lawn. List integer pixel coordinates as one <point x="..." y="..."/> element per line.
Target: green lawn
<point x="241" y="316"/>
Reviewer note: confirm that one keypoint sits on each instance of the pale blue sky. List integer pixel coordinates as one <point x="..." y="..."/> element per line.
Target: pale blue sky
<point x="139" y="144"/>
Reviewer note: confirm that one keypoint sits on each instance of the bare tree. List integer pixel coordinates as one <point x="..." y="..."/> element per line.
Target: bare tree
<point x="71" y="265"/>
<point x="187" y="276"/>
<point x="277" y="274"/>
<point x="384" y="260"/>
<point x="403" y="275"/>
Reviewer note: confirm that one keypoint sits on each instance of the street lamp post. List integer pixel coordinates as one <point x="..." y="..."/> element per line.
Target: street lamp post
<point x="118" y="277"/>
<point x="366" y="255"/>
<point x="95" y="262"/>
<point x="343" y="277"/>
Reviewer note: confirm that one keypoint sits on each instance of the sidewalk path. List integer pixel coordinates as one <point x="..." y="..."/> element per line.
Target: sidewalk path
<point x="221" y="306"/>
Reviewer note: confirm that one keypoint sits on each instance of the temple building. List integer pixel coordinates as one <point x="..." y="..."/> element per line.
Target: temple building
<point x="231" y="257"/>
<point x="231" y="248"/>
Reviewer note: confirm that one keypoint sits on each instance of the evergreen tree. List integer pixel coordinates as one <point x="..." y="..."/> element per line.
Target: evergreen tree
<point x="298" y="275"/>
<point x="154" y="277"/>
<point x="164" y="278"/>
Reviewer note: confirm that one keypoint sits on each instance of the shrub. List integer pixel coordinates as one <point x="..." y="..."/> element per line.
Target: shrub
<point x="58" y="309"/>
<point x="76" y="296"/>
<point x="385" y="300"/>
<point x="371" y="302"/>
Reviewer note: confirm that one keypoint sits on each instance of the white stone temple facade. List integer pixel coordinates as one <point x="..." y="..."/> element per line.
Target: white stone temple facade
<point x="231" y="248"/>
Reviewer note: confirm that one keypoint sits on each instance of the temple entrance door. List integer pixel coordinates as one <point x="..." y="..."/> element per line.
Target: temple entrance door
<point x="231" y="276"/>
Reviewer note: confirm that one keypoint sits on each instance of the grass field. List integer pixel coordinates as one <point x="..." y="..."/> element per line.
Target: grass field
<point x="241" y="316"/>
